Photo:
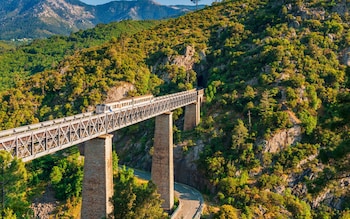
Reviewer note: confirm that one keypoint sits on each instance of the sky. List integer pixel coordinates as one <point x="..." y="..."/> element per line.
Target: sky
<point x="162" y="2"/>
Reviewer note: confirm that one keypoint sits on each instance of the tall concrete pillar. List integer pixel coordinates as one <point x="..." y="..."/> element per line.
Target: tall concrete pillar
<point x="192" y="116"/>
<point x="193" y="112"/>
<point x="162" y="160"/>
<point x="98" y="178"/>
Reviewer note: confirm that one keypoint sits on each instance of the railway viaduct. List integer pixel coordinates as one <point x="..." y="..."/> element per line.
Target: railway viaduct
<point x="33" y="141"/>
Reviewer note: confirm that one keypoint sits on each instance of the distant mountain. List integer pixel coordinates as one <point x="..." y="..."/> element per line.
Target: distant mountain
<point x="43" y="18"/>
<point x="137" y="10"/>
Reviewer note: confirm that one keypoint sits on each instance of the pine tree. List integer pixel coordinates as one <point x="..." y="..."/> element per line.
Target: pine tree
<point x="13" y="182"/>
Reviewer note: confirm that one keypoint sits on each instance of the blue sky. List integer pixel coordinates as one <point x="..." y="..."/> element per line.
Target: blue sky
<point x="163" y="2"/>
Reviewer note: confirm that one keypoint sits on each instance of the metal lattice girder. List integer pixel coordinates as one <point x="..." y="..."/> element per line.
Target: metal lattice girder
<point x="32" y="141"/>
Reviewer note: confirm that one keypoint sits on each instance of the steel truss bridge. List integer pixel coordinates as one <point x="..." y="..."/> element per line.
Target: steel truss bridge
<point x="36" y="140"/>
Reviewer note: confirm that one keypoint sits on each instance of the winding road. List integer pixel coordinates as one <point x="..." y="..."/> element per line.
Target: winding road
<point x="191" y="201"/>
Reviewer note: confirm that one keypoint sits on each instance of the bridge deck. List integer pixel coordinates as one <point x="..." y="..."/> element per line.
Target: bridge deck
<point x="36" y="140"/>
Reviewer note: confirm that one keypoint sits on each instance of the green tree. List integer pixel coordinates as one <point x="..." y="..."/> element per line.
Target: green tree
<point x="13" y="184"/>
<point x="124" y="196"/>
<point x="345" y="215"/>
<point x="266" y="105"/>
<point x="56" y="175"/>
<point x="132" y="200"/>
<point x="216" y="166"/>
<point x="148" y="202"/>
<point x="115" y="161"/>
<point x="239" y="135"/>
<point x="249" y="93"/>
<point x="67" y="177"/>
<point x="227" y="212"/>
<point x="9" y="214"/>
<point x="309" y="121"/>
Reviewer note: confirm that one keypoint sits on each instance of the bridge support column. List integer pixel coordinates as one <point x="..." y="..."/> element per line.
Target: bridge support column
<point x="192" y="116"/>
<point x="193" y="112"/>
<point x="162" y="160"/>
<point x="98" y="178"/>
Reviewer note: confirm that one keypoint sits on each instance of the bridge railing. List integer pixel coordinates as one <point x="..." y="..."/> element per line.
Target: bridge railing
<point x="32" y="141"/>
<point x="42" y="124"/>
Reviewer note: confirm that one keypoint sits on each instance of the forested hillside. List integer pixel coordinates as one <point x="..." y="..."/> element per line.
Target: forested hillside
<point x="275" y="124"/>
<point x="45" y="54"/>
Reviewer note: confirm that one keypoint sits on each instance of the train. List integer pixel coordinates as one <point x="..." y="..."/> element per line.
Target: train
<point x="110" y="107"/>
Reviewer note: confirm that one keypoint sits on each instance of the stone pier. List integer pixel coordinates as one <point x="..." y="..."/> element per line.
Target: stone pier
<point x="193" y="112"/>
<point x="162" y="160"/>
<point x="98" y="178"/>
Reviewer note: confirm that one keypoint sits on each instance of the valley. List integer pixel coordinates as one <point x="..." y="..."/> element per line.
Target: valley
<point x="273" y="141"/>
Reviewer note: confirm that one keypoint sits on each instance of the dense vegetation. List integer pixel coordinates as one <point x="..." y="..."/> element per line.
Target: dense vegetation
<point x="133" y="199"/>
<point x="269" y="67"/>
<point x="13" y="187"/>
<point x="63" y="172"/>
<point x="45" y="54"/>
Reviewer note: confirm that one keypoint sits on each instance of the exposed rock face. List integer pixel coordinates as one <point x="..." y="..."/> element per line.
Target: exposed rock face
<point x="43" y="210"/>
<point x="131" y="151"/>
<point x="185" y="167"/>
<point x="189" y="61"/>
<point x="44" y="206"/>
<point x="186" y="60"/>
<point x="40" y="18"/>
<point x="52" y="12"/>
<point x="342" y="7"/>
<point x="328" y="198"/>
<point x="346" y="57"/>
<point x="333" y="197"/>
<point x="282" y="139"/>
<point x="119" y="92"/>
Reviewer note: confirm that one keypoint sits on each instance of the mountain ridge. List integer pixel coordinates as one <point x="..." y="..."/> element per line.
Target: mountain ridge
<point x="43" y="18"/>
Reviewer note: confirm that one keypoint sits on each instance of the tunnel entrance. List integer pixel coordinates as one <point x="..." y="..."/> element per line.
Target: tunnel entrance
<point x="200" y="81"/>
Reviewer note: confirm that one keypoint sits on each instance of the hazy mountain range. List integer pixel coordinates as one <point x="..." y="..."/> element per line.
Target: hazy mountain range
<point x="43" y="18"/>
